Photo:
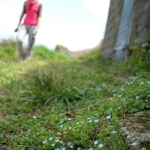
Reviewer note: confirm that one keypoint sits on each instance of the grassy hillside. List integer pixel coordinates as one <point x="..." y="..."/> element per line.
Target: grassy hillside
<point x="81" y="54"/>
<point x="54" y="102"/>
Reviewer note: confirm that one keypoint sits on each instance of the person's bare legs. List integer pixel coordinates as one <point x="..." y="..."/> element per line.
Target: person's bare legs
<point x="21" y="35"/>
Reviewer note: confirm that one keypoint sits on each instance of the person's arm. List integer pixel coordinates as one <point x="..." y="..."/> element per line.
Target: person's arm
<point x="22" y="14"/>
<point x="39" y="16"/>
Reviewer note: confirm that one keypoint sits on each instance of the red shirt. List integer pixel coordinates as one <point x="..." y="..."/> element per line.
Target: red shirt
<point x="31" y="13"/>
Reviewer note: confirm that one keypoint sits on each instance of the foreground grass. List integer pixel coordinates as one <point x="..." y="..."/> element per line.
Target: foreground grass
<point x="67" y="104"/>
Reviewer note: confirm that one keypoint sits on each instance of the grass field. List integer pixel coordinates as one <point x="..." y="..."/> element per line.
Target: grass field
<point x="54" y="102"/>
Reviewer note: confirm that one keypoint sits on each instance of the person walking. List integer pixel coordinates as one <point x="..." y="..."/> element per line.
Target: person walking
<point x="32" y="11"/>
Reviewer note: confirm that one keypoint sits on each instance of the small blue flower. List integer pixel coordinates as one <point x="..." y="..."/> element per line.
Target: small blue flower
<point x="61" y="125"/>
<point x="96" y="142"/>
<point x="50" y="138"/>
<point x="108" y="117"/>
<point x="135" y="143"/>
<point x="63" y="148"/>
<point x="103" y="84"/>
<point x="119" y="96"/>
<point x="146" y="100"/>
<point x="69" y="119"/>
<point x="96" y="120"/>
<point x="34" y="117"/>
<point x="142" y="82"/>
<point x="119" y="107"/>
<point x="99" y="89"/>
<point x="45" y="141"/>
<point x="136" y="97"/>
<point x="56" y="140"/>
<point x="90" y="120"/>
<point x="53" y="144"/>
<point x="57" y="149"/>
<point x="77" y="123"/>
<point x="113" y="91"/>
<point x="71" y="146"/>
<point x="69" y="143"/>
<point x="113" y="132"/>
<point x="90" y="148"/>
<point x="78" y="148"/>
<point x="61" y="122"/>
<point x="100" y="145"/>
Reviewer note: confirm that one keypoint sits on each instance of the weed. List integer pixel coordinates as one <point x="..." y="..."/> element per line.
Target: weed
<point x="56" y="103"/>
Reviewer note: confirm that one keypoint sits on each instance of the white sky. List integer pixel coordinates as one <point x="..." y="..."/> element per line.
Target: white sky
<point x="76" y="24"/>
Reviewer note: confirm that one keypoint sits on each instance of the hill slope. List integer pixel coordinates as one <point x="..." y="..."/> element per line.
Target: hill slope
<point x="53" y="103"/>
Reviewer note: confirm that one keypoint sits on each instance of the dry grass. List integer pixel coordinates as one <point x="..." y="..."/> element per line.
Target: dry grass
<point x="84" y="53"/>
<point x="87" y="52"/>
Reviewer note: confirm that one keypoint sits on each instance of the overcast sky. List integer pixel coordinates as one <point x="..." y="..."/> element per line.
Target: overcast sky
<point x="76" y="24"/>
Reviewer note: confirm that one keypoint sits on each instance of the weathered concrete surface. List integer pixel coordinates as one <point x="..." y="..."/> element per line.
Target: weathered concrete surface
<point x="140" y="26"/>
<point x="141" y="21"/>
<point x="136" y="129"/>
<point x="112" y="28"/>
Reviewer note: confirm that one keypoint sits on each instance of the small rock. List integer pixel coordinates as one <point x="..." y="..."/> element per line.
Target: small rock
<point x="136" y="127"/>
